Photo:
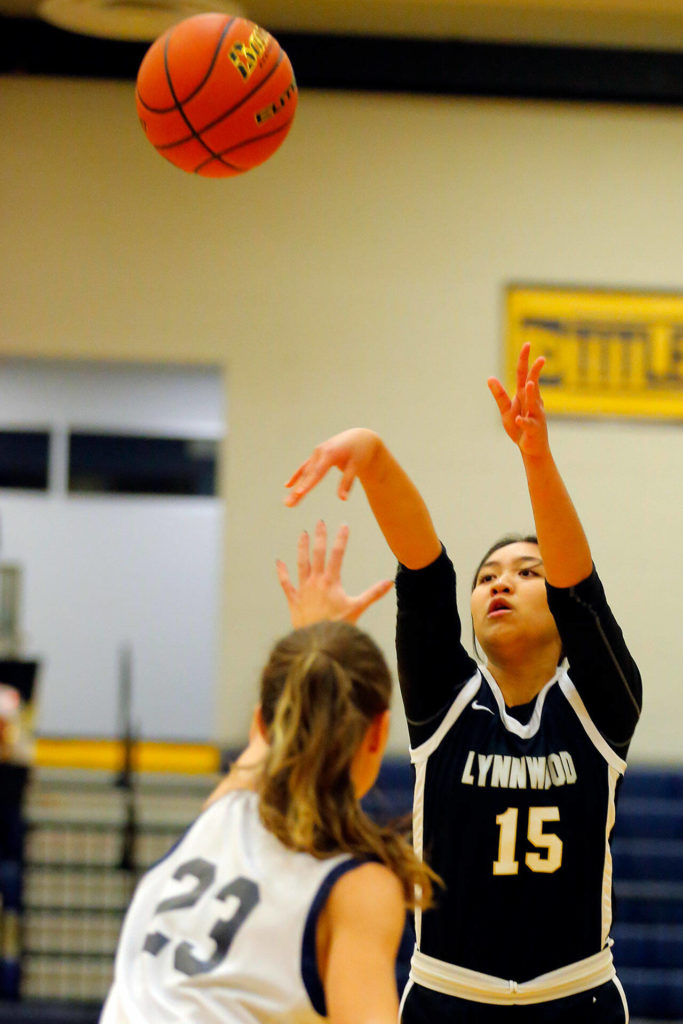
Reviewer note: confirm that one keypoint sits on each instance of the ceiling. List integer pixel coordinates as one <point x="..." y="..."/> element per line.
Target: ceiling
<point x="653" y="25"/>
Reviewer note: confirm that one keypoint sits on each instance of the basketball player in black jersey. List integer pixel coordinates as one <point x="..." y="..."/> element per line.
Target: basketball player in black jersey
<point x="518" y="757"/>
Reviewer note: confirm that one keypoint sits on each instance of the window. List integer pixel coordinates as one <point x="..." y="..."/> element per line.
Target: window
<point x="24" y="459"/>
<point x="130" y="464"/>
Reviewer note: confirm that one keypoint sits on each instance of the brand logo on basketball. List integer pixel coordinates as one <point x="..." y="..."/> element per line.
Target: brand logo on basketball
<point x="245" y="56"/>
<point x="275" y="108"/>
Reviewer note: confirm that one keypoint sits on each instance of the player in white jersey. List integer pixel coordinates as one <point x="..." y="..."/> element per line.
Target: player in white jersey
<point x="283" y="902"/>
<point x="518" y="758"/>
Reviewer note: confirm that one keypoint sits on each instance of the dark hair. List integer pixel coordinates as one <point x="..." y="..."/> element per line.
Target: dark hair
<point x="320" y="690"/>
<point x="510" y="538"/>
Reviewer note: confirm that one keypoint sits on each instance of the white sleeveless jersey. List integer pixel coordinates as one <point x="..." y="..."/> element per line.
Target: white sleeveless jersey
<point x="222" y="930"/>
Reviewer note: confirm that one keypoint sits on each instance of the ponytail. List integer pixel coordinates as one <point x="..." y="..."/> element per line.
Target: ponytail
<point x="320" y="690"/>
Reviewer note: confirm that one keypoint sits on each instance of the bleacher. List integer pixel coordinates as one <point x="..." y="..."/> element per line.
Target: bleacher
<point x="82" y="860"/>
<point x="648" y="873"/>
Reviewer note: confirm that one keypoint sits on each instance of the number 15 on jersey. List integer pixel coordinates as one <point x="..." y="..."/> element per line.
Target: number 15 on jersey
<point x="547" y="855"/>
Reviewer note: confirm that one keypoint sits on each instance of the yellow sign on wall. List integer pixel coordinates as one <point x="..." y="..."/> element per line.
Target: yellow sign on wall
<point x="607" y="353"/>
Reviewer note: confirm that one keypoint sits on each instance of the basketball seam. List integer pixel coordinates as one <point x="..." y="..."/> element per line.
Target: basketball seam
<point x="179" y="106"/>
<point x="194" y="133"/>
<point x="247" y="96"/>
<point x="244" y="142"/>
<point x="198" y="88"/>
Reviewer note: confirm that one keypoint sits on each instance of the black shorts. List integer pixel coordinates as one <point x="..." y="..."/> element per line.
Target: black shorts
<point x="602" y="1005"/>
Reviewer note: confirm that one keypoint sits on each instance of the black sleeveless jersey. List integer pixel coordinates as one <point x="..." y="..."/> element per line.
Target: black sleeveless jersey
<point x="514" y="811"/>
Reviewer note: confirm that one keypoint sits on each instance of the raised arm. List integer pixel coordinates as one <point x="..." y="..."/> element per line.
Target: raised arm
<point x="564" y="547"/>
<point x="397" y="505"/>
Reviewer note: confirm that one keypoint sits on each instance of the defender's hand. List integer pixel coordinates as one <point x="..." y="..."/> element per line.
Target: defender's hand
<point x="320" y="594"/>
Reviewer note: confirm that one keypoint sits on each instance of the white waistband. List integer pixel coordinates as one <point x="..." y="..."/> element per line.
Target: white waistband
<point x="485" y="988"/>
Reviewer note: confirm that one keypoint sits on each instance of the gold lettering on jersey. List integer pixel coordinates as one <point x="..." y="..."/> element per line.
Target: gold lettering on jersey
<point x="502" y="771"/>
<point x="467" y="776"/>
<point x="245" y="56"/>
<point x="484" y="761"/>
<point x="537" y="772"/>
<point x="607" y="353"/>
<point x="568" y="765"/>
<point x="518" y="773"/>
<point x="500" y="775"/>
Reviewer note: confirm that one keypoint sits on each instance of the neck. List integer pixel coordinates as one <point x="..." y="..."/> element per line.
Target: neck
<point x="245" y="772"/>
<point x="521" y="683"/>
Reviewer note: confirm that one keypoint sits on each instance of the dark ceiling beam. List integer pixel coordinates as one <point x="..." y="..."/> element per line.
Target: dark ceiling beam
<point x="445" y="67"/>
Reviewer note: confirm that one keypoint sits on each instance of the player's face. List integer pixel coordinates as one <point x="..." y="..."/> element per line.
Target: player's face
<point x="509" y="605"/>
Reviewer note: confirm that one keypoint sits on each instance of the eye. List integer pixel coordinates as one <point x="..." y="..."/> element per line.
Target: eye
<point x="527" y="572"/>
<point x="485" y="577"/>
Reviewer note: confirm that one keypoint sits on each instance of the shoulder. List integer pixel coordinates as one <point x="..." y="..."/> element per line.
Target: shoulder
<point x="228" y="801"/>
<point x="358" y="939"/>
<point x="362" y="921"/>
<point x="441" y="568"/>
<point x="369" y="890"/>
<point x="587" y="596"/>
<point x="434" y="583"/>
<point x="368" y="876"/>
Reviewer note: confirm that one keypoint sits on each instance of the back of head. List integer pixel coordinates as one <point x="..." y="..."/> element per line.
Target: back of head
<point x="328" y="663"/>
<point x="321" y="689"/>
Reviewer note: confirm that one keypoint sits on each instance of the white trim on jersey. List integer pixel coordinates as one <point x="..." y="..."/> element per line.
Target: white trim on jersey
<point x="509" y="721"/>
<point x="418" y="831"/>
<point x="612" y="779"/>
<point x="525" y="732"/>
<point x="616" y="768"/>
<point x="595" y="736"/>
<point x="476" y="987"/>
<point x="465" y="694"/>
<point x="419" y="757"/>
<point x="620" y="989"/>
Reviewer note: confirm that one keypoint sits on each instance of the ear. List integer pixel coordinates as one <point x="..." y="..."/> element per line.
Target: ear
<point x="378" y="732"/>
<point x="258" y="726"/>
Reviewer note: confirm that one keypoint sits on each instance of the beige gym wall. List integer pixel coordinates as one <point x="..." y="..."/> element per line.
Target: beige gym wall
<point x="358" y="278"/>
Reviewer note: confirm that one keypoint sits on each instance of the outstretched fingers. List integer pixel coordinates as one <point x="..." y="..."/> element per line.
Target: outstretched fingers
<point x="500" y="394"/>
<point x="346" y="482"/>
<point x="337" y="551"/>
<point x="523" y="368"/>
<point x="533" y="398"/>
<point x="306" y="477"/>
<point x="320" y="593"/>
<point x="535" y="371"/>
<point x="368" y="597"/>
<point x="533" y="404"/>
<point x="319" y="548"/>
<point x="303" y="562"/>
<point x="533" y="386"/>
<point x="285" y="582"/>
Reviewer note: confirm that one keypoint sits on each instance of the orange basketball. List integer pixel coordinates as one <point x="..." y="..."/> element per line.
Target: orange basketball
<point x="216" y="95"/>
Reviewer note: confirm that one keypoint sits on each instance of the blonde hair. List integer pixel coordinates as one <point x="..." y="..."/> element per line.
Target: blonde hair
<point x="320" y="690"/>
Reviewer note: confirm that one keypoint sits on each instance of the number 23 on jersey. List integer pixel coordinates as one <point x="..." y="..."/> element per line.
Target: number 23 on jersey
<point x="241" y="892"/>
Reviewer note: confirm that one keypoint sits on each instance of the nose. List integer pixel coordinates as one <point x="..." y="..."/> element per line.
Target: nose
<point x="501" y="585"/>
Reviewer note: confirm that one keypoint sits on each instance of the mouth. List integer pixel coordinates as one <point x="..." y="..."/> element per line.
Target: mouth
<point x="497" y="607"/>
